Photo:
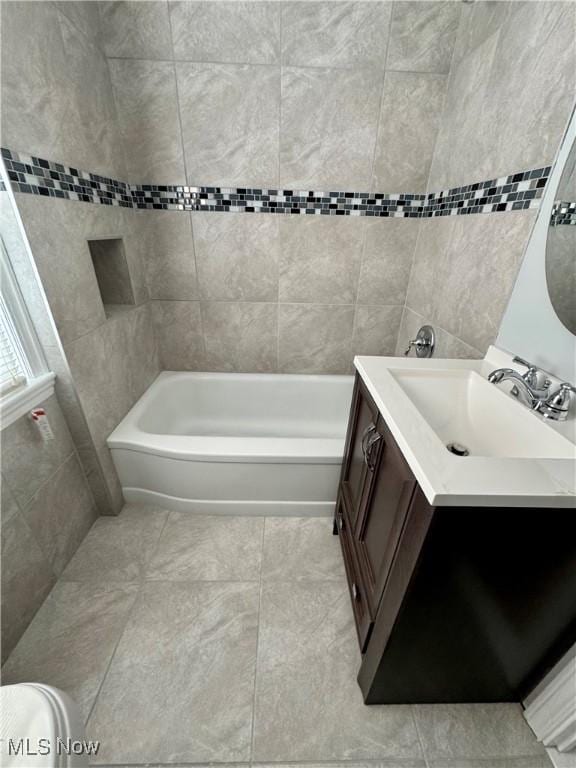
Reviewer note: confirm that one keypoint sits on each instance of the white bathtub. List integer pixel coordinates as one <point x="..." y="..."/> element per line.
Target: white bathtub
<point x="226" y="443"/>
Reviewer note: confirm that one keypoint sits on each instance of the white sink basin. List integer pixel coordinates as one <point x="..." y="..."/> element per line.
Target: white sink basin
<point x="462" y="407"/>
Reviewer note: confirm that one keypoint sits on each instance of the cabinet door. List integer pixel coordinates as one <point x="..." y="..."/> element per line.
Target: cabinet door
<point x="362" y="424"/>
<point x="358" y="594"/>
<point x="389" y="495"/>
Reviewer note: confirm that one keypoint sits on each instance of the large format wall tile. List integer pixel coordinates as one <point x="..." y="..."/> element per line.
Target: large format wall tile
<point x="328" y="34"/>
<point x="478" y="21"/>
<point x="320" y="259"/>
<point x="315" y="338"/>
<point x="236" y="32"/>
<point x="168" y="254"/>
<point x="466" y="140"/>
<point x="386" y="261"/>
<point x="531" y="89"/>
<point x="422" y="35"/>
<point x="72" y="638"/>
<point x="307" y="707"/>
<point x="230" y="115"/>
<point x="197" y="709"/>
<point x="85" y="16"/>
<point x="46" y="107"/>
<point x="145" y="93"/>
<point x="28" y="461"/>
<point x="61" y="513"/>
<point x="240" y="336"/>
<point x="446" y="346"/>
<point x="137" y="30"/>
<point x="376" y="330"/>
<point x="329" y="123"/>
<point x="26" y="578"/>
<point x="464" y="271"/>
<point x="236" y="256"/>
<point x="409" y="120"/>
<point x="178" y="325"/>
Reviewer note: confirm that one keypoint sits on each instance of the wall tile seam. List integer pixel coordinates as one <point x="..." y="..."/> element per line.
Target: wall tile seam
<point x="22" y="509"/>
<point x="109" y="320"/>
<point x="516" y="191"/>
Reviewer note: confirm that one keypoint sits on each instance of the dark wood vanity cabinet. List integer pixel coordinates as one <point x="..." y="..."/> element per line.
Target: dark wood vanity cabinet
<point x="452" y="604"/>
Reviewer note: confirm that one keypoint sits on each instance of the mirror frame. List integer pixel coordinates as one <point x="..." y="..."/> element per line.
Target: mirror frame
<point x="530" y="326"/>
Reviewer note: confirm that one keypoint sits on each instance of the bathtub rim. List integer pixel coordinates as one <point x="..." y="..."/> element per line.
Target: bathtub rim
<point x="304" y="450"/>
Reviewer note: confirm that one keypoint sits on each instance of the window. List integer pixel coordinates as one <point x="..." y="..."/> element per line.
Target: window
<point x="24" y="374"/>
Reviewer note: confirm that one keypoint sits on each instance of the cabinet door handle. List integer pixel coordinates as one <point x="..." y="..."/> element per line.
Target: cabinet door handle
<point x="355" y="591"/>
<point x="365" y="435"/>
<point x="341" y="521"/>
<point x="373" y="440"/>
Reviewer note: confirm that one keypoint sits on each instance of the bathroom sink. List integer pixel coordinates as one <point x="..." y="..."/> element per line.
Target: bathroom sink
<point x="463" y="408"/>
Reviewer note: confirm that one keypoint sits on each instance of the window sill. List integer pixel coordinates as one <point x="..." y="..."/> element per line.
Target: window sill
<point x="16" y="404"/>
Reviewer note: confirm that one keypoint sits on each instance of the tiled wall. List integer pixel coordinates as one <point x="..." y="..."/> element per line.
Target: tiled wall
<point x="511" y="89"/>
<point x="324" y="96"/>
<point x="57" y="100"/>
<point x="47" y="509"/>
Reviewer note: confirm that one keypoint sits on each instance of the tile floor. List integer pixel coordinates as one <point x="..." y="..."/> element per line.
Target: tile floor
<point x="191" y="639"/>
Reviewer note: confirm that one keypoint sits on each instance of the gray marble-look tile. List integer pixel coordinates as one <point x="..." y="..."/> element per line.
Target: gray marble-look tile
<point x="328" y="34"/>
<point x="208" y="548"/>
<point x="71" y="640"/>
<point x="376" y="330"/>
<point x="320" y="259"/>
<point x="230" y="123"/>
<point x="301" y="549"/>
<point x="117" y="549"/>
<point x="85" y="16"/>
<point x="386" y="261"/>
<point x="315" y="338"/>
<point x="132" y="29"/>
<point x="26" y="577"/>
<point x="58" y="238"/>
<point x="475" y="731"/>
<point x="472" y="287"/>
<point x="147" y="106"/>
<point x="446" y="346"/>
<point x="466" y="139"/>
<point x="236" y="256"/>
<point x="410" y="114"/>
<point x="530" y="761"/>
<point x="422" y="35"/>
<point x="168" y="254"/>
<point x="384" y="763"/>
<point x="531" y="86"/>
<point x="329" y="124"/>
<point x="61" y="514"/>
<point x="27" y="461"/>
<point x="240" y="336"/>
<point x="198" y="708"/>
<point x="111" y="268"/>
<point x="46" y="108"/>
<point x="478" y="21"/>
<point x="178" y="325"/>
<point x="237" y="32"/>
<point x="430" y="265"/>
<point x="139" y="346"/>
<point x="308" y="707"/>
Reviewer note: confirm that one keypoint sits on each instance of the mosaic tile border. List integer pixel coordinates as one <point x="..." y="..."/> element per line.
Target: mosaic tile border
<point x="37" y="176"/>
<point x="563" y="212"/>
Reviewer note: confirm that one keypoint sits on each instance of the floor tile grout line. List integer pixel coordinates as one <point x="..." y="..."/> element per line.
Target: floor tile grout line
<point x="260" y="582"/>
<point x="141" y="582"/>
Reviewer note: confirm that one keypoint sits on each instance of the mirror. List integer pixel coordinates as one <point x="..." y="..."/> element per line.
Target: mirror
<point x="561" y="246"/>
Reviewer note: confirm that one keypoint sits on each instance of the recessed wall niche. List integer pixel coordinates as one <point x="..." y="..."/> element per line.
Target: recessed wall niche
<point x="112" y="274"/>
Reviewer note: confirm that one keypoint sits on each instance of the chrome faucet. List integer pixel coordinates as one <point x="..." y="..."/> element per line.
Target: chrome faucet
<point x="533" y="389"/>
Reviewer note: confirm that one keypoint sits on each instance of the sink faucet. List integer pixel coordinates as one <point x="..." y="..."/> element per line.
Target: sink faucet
<point x="533" y="389"/>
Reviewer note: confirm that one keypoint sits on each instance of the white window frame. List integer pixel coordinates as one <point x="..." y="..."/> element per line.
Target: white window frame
<point x="39" y="383"/>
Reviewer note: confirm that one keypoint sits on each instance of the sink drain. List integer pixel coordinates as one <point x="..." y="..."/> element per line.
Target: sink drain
<point x="458" y="449"/>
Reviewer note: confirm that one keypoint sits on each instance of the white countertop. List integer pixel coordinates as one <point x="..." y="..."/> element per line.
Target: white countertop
<point x="449" y="480"/>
